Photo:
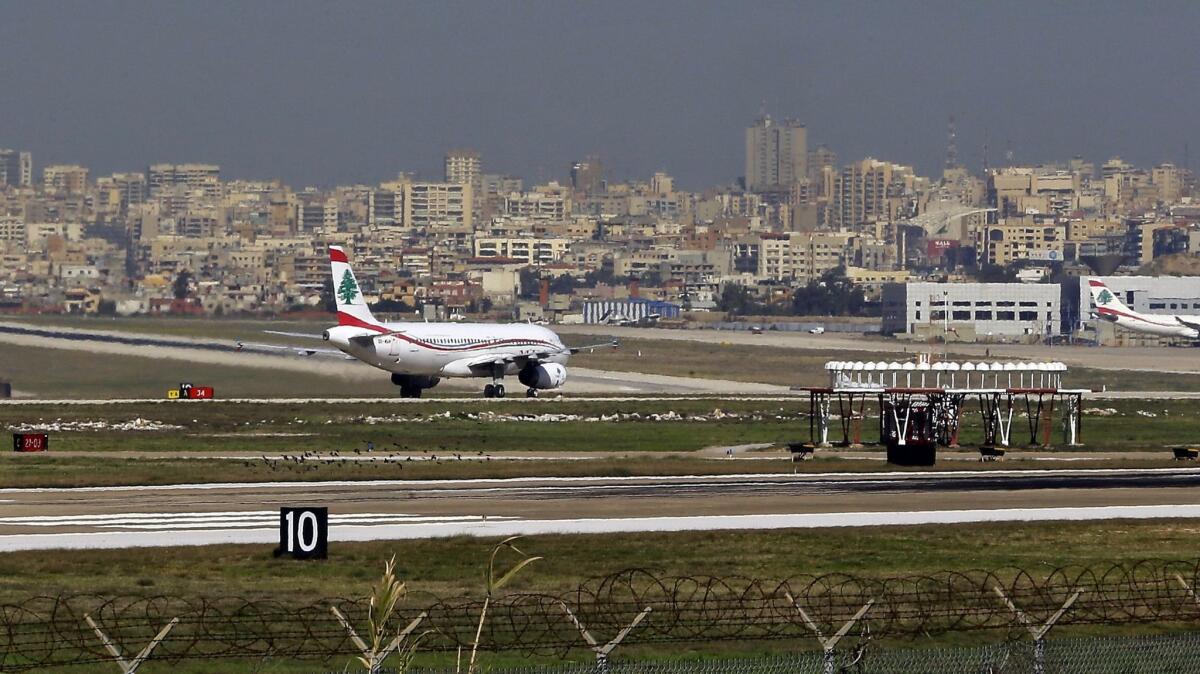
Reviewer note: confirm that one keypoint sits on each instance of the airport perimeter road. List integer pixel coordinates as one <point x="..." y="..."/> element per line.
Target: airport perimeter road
<point x="1148" y="359"/>
<point x="120" y="517"/>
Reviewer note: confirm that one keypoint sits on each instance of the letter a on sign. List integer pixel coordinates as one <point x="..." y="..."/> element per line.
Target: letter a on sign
<point x="303" y="533"/>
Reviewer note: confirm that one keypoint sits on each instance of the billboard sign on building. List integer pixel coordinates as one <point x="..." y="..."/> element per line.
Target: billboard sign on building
<point x="1045" y="255"/>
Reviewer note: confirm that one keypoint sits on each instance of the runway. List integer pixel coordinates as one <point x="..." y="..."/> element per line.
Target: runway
<point x="1144" y="358"/>
<point x="224" y="353"/>
<point x="203" y="514"/>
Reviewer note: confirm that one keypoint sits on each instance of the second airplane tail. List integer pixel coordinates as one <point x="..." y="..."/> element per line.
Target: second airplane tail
<point x="352" y="309"/>
<point x="1108" y="305"/>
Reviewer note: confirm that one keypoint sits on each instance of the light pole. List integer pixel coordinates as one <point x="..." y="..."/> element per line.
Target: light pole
<point x="945" y="324"/>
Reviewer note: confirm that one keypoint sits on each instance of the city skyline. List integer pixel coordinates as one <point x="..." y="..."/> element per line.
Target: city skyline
<point x="322" y="95"/>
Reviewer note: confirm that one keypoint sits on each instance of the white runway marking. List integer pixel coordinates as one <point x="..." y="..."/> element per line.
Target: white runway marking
<point x="552" y="482"/>
<point x="262" y="519"/>
<point x="344" y="531"/>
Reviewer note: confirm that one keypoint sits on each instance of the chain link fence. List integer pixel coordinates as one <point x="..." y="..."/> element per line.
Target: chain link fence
<point x="1164" y="654"/>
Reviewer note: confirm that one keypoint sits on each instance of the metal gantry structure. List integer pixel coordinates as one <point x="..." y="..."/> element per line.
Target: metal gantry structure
<point x="920" y="405"/>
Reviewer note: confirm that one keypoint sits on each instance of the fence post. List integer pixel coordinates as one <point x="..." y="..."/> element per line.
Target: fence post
<point x="131" y="666"/>
<point x="602" y="651"/>
<point x="375" y="659"/>
<point x="1038" y="632"/>
<point x="829" y="645"/>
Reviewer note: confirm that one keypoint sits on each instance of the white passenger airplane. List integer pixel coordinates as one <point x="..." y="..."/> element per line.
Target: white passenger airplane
<point x="1110" y="308"/>
<point x="419" y="354"/>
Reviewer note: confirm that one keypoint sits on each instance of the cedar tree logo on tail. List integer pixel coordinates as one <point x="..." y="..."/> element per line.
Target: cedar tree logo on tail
<point x="1105" y="297"/>
<point x="348" y="290"/>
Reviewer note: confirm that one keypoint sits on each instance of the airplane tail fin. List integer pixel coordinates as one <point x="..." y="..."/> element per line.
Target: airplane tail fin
<point x="1108" y="305"/>
<point x="351" y="307"/>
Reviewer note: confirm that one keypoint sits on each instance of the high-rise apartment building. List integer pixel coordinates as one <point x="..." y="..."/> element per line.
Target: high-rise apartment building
<point x="662" y="183"/>
<point x="818" y="159"/>
<point x="317" y="215"/>
<point x="437" y="205"/>
<point x="463" y="167"/>
<point x="866" y="191"/>
<point x="16" y="168"/>
<point x="131" y="189"/>
<point x="205" y="178"/>
<point x="1169" y="180"/>
<point x="587" y="176"/>
<point x="776" y="154"/>
<point x="65" y="178"/>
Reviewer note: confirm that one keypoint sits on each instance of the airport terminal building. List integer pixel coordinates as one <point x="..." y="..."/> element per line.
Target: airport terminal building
<point x="1029" y="311"/>
<point x="984" y="310"/>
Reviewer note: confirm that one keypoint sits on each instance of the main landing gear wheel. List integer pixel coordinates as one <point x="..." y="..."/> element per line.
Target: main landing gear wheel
<point x="493" y="391"/>
<point x="410" y="392"/>
<point x="531" y="393"/>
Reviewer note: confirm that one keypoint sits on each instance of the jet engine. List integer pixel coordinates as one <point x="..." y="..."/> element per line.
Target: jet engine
<point x="414" y="381"/>
<point x="341" y="335"/>
<point x="542" y="376"/>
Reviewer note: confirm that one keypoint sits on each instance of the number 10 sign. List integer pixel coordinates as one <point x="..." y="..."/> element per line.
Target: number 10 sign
<point x="303" y="533"/>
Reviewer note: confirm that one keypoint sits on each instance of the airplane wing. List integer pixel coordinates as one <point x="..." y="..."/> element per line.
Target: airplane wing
<point x="610" y="344"/>
<point x="305" y="335"/>
<point x="290" y="350"/>
<point x="361" y="340"/>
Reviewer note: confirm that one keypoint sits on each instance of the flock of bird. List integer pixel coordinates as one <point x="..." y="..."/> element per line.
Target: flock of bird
<point x="364" y="455"/>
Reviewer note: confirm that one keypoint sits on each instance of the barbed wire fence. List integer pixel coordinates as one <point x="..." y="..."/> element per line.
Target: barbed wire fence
<point x="836" y="614"/>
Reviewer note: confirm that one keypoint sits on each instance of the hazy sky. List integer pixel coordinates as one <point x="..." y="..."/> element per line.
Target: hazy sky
<point x="325" y="93"/>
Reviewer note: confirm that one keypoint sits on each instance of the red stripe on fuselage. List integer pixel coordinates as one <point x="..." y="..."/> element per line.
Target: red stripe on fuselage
<point x="336" y="255"/>
<point x="1114" y="312"/>
<point x="347" y="319"/>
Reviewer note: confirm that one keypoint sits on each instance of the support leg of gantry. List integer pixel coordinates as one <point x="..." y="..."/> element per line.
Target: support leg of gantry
<point x="822" y="420"/>
<point x="987" y="413"/>
<point x="1048" y="423"/>
<point x="960" y="403"/>
<point x="1004" y="417"/>
<point x="1033" y="416"/>
<point x="1072" y="418"/>
<point x="858" y="419"/>
<point x="882" y="421"/>
<point x="845" y="415"/>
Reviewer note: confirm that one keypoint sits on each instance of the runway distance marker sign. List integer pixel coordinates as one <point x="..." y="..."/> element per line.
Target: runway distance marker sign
<point x="30" y="442"/>
<point x="303" y="533"/>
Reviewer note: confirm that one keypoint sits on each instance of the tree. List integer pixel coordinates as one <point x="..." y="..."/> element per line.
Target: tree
<point x="993" y="273"/>
<point x="831" y="295"/>
<point x="348" y="290"/>
<point x="182" y="285"/>
<point x="327" y="299"/>
<point x="736" y="299"/>
<point x="530" y="281"/>
<point x="391" y="307"/>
